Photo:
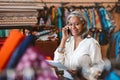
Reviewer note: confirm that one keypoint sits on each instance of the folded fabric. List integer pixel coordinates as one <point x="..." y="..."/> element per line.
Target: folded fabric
<point x="17" y="54"/>
<point x="13" y="40"/>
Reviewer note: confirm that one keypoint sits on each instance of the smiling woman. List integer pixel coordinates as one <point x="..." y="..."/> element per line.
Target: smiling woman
<point x="78" y="51"/>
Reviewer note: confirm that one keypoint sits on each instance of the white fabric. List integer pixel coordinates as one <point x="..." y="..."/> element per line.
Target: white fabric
<point x="73" y="59"/>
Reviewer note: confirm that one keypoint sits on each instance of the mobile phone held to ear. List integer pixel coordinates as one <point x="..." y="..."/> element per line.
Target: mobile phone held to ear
<point x="68" y="31"/>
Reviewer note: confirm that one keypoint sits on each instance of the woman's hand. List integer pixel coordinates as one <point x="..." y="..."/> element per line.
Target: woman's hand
<point x="72" y="72"/>
<point x="65" y="34"/>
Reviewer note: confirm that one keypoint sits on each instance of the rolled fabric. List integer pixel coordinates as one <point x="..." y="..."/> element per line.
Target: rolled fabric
<point x="17" y="54"/>
<point x="13" y="40"/>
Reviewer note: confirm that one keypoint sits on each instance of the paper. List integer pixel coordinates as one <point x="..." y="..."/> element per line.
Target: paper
<point x="56" y="64"/>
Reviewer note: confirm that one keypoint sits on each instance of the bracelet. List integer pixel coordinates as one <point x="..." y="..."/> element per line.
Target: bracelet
<point x="61" y="50"/>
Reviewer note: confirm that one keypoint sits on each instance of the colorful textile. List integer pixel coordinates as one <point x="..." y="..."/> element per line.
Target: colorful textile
<point x="32" y="59"/>
<point x="9" y="46"/>
<point x="60" y="21"/>
<point x="19" y="51"/>
<point x="112" y="76"/>
<point x="87" y="18"/>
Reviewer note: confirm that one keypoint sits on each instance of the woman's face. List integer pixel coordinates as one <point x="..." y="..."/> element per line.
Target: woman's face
<point x="75" y="26"/>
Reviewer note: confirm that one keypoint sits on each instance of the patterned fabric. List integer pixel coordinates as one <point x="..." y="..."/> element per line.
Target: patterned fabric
<point x="33" y="60"/>
<point x="97" y="21"/>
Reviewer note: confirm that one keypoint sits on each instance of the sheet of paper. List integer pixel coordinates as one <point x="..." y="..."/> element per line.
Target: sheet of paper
<point x="56" y="64"/>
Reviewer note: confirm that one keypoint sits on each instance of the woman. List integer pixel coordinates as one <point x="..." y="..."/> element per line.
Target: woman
<point x="77" y="50"/>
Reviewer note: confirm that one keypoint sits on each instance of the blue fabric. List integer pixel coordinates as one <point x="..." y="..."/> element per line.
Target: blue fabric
<point x="87" y="18"/>
<point x="117" y="47"/>
<point x="19" y="51"/>
<point x="2" y="33"/>
<point x="112" y="76"/>
<point x="103" y="38"/>
<point x="105" y="19"/>
<point x="116" y="37"/>
<point x="60" y="21"/>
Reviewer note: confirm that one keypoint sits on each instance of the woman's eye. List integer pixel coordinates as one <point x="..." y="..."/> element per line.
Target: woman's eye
<point x="76" y="24"/>
<point x="69" y="24"/>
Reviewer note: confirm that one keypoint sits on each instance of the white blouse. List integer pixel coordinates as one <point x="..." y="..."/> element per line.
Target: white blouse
<point x="87" y="55"/>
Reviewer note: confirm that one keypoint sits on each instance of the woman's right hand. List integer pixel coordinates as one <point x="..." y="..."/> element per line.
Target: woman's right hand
<point x="65" y="34"/>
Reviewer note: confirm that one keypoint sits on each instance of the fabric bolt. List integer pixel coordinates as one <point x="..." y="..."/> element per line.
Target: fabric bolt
<point x="9" y="46"/>
<point x="2" y="33"/>
<point x="19" y="51"/>
<point x="72" y="58"/>
<point x="6" y="33"/>
<point x="34" y="59"/>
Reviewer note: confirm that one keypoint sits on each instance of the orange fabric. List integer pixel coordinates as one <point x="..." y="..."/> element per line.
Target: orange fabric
<point x="48" y="58"/>
<point x="13" y="40"/>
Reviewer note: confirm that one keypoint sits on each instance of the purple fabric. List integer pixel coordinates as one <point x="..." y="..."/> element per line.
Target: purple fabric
<point x="32" y="58"/>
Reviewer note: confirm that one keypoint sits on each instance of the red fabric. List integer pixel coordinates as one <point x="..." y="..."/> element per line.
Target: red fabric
<point x="13" y="40"/>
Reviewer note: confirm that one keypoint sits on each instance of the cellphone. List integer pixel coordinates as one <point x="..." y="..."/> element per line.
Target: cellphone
<point x="68" y="31"/>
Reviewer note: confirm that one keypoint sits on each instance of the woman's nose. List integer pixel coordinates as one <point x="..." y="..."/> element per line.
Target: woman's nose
<point x="73" y="26"/>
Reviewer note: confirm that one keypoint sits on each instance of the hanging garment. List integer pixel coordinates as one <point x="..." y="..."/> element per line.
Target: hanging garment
<point x="19" y="51"/>
<point x="93" y="19"/>
<point x="114" y="48"/>
<point x="87" y="18"/>
<point x="9" y="46"/>
<point x="90" y="17"/>
<point x="103" y="38"/>
<point x="93" y="23"/>
<point x="97" y="21"/>
<point x="60" y="22"/>
<point x="117" y="46"/>
<point x="53" y="13"/>
<point x="105" y="20"/>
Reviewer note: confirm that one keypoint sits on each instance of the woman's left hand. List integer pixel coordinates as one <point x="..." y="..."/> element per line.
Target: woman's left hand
<point x="72" y="72"/>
